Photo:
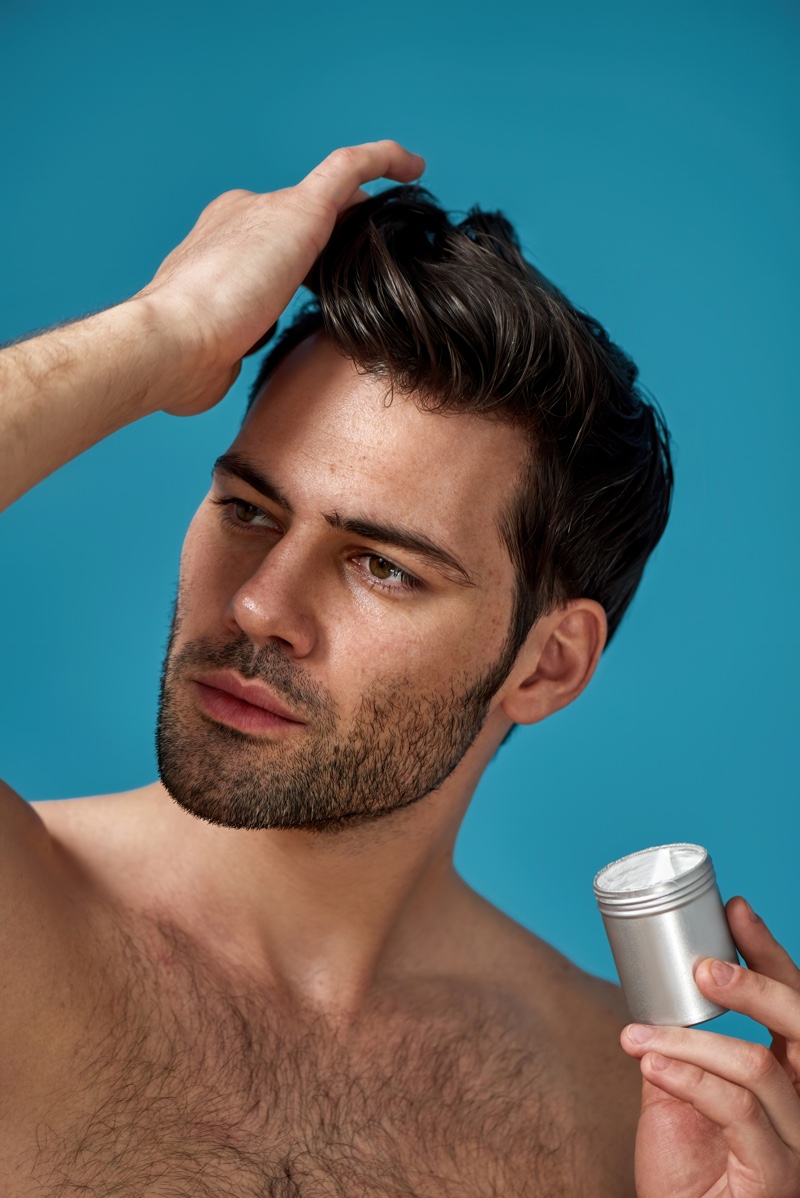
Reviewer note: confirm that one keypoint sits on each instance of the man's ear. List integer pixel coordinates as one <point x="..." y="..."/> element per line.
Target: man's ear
<point x="556" y="661"/>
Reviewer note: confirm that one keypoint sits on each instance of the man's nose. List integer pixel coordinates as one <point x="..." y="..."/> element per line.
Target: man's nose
<point x="279" y="601"/>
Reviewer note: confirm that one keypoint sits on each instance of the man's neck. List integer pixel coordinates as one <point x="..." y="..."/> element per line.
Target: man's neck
<point x="326" y="915"/>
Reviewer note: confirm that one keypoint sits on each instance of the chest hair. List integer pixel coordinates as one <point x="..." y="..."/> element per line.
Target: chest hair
<point x="190" y="1086"/>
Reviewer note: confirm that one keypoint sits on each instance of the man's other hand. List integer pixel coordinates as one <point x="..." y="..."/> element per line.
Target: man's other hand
<point x="227" y="283"/>
<point x="721" y="1117"/>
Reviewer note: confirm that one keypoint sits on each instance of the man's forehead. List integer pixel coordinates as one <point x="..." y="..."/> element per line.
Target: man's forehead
<point x="328" y="432"/>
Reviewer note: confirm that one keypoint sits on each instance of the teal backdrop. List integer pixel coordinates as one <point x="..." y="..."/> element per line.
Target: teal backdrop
<point x="648" y="154"/>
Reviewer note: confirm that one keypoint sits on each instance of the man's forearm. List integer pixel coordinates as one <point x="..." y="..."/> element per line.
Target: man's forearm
<point x="65" y="390"/>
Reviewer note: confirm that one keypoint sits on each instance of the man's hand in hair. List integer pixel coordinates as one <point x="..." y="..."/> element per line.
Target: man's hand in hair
<point x="227" y="283"/>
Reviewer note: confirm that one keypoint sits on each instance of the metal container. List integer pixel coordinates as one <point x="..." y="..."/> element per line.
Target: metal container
<point x="663" y="915"/>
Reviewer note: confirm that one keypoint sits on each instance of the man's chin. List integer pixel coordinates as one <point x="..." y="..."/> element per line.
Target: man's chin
<point x="271" y="813"/>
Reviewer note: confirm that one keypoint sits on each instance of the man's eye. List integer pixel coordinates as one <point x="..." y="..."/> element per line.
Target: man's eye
<point x="380" y="568"/>
<point x="387" y="574"/>
<point x="237" y="512"/>
<point x="247" y="513"/>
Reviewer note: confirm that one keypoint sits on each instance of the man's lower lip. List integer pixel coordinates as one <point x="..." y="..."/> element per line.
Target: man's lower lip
<point x="227" y="709"/>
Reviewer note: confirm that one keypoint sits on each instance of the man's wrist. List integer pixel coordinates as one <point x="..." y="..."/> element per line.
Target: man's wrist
<point x="166" y="353"/>
<point x="185" y="374"/>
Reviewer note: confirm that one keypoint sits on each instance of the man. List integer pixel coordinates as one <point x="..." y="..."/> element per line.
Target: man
<point x="262" y="975"/>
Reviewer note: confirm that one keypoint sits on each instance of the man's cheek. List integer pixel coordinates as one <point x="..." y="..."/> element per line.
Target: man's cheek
<point x="399" y="664"/>
<point x="208" y="581"/>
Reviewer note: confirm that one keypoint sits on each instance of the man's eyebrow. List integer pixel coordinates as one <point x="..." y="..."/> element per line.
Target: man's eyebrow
<point x="403" y="538"/>
<point x="237" y="465"/>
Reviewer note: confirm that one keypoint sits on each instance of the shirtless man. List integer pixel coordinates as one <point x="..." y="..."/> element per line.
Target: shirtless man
<point x="262" y="975"/>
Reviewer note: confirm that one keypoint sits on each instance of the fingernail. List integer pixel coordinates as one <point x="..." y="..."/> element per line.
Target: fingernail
<point x="640" y="1033"/>
<point x="721" y="972"/>
<point x="755" y="918"/>
<point x="659" y="1062"/>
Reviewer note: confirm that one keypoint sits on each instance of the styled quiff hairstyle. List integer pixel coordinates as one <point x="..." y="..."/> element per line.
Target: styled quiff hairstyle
<point x="455" y="314"/>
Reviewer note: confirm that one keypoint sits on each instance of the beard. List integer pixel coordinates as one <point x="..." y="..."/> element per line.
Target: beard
<point x="400" y="745"/>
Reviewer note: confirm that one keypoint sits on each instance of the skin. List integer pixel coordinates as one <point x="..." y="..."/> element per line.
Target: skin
<point x="330" y="920"/>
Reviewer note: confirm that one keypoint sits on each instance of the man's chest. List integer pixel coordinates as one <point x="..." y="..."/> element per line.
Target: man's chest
<point x="199" y="1091"/>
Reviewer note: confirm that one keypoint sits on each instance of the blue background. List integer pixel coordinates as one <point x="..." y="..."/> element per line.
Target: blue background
<point x="647" y="154"/>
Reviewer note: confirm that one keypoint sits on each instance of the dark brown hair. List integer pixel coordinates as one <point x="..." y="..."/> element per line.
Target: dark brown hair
<point x="455" y="314"/>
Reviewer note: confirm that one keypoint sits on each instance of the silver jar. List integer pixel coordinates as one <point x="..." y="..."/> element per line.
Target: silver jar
<point x="663" y="914"/>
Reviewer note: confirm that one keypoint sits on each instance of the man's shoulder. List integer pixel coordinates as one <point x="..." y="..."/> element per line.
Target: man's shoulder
<point x="104" y="837"/>
<point x="50" y="877"/>
<point x="18" y="818"/>
<point x="40" y="940"/>
<point x="31" y="867"/>
<point x="79" y="818"/>
<point x="550" y="1001"/>
<point x="537" y="973"/>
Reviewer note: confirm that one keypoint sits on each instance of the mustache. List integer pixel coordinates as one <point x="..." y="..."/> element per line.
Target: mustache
<point x="267" y="663"/>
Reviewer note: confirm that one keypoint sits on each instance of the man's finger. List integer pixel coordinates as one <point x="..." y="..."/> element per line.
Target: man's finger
<point x="740" y="1117"/>
<point x="771" y="1003"/>
<point x="749" y="1066"/>
<point x="758" y="946"/>
<point x="344" y="171"/>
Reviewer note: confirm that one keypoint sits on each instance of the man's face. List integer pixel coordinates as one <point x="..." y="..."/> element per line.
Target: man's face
<point x="346" y="569"/>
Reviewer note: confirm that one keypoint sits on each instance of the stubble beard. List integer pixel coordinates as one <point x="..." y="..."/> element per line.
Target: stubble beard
<point x="400" y="746"/>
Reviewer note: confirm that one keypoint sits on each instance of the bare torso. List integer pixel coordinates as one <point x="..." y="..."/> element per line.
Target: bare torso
<point x="152" y="1066"/>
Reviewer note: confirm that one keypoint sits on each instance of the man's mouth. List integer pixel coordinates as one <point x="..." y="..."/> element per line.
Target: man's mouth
<point x="245" y="704"/>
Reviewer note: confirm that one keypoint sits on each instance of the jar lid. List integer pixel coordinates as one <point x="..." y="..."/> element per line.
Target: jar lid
<point x="666" y="871"/>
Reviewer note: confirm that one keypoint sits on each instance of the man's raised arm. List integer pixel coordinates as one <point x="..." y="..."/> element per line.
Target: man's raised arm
<point x="177" y="345"/>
